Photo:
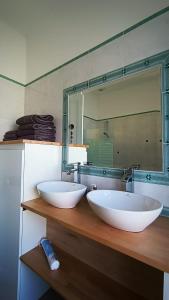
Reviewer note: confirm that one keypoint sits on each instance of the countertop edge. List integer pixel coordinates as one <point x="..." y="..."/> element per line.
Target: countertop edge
<point x="12" y="142"/>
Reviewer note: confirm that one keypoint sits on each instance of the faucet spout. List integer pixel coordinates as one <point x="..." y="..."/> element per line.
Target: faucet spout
<point x="127" y="178"/>
<point x="76" y="172"/>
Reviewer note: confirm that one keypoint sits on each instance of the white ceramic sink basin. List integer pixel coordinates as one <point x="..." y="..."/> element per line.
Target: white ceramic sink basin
<point x="123" y="210"/>
<point x="61" y="194"/>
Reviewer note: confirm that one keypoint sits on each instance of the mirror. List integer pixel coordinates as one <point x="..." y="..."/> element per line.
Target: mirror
<point x="123" y="116"/>
<point x="120" y="121"/>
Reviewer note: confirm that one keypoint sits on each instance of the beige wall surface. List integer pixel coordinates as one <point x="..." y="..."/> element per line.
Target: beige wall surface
<point x="46" y="95"/>
<point x="130" y="99"/>
<point x="11" y="105"/>
<point x="69" y="28"/>
<point x="12" y="53"/>
<point x="38" y="36"/>
<point x="127" y="96"/>
<point x="91" y="105"/>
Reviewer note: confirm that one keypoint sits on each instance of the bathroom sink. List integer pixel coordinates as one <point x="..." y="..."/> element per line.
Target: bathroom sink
<point x="123" y="210"/>
<point x="61" y="194"/>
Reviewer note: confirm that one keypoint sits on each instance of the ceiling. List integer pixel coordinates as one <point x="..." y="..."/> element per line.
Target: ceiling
<point x="58" y="30"/>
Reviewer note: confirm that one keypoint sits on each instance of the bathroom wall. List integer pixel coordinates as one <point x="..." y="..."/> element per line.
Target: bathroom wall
<point x="13" y="66"/>
<point x="50" y="43"/>
<point x="11" y="105"/>
<point x="46" y="95"/>
<point x="12" y="53"/>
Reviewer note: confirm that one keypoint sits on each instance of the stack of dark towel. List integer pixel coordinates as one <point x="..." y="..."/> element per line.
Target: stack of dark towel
<point x="10" y="135"/>
<point x="33" y="127"/>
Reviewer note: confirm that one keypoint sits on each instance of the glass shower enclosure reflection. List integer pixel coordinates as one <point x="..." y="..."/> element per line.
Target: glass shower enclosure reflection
<point x="125" y="141"/>
<point x="97" y="136"/>
<point x="121" y="122"/>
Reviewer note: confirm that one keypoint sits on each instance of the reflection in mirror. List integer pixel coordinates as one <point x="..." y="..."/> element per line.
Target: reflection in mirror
<point x="121" y="122"/>
<point x="76" y="112"/>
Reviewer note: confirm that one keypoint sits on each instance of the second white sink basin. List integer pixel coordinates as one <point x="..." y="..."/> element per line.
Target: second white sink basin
<point x="123" y="210"/>
<point x="61" y="194"/>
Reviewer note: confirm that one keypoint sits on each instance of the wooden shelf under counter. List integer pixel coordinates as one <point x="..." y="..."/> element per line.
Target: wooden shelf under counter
<point x="75" y="280"/>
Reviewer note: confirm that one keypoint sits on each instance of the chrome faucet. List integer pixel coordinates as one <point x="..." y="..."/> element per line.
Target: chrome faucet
<point x="76" y="172"/>
<point x="127" y="178"/>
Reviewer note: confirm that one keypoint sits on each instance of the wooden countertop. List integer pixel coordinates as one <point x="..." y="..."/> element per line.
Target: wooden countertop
<point x="24" y="141"/>
<point x="12" y="142"/>
<point x="78" y="145"/>
<point x="150" y="246"/>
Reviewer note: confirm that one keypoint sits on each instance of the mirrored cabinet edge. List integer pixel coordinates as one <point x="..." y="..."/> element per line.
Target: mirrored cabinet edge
<point x="147" y="176"/>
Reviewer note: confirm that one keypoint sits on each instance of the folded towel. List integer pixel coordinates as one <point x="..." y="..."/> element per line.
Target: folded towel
<point x="40" y="119"/>
<point x="9" y="139"/>
<point x="50" y="125"/>
<point x="38" y="138"/>
<point x="11" y="135"/>
<point x="44" y="132"/>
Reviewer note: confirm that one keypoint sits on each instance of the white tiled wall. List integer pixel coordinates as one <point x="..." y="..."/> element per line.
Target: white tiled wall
<point x="102" y="182"/>
<point x="159" y="192"/>
<point x="156" y="191"/>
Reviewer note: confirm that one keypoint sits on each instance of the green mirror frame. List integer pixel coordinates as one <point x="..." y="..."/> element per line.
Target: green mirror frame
<point x="162" y="60"/>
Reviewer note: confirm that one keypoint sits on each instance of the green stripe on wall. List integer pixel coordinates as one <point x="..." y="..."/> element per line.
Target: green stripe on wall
<point x="153" y="16"/>
<point x="12" y="80"/>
